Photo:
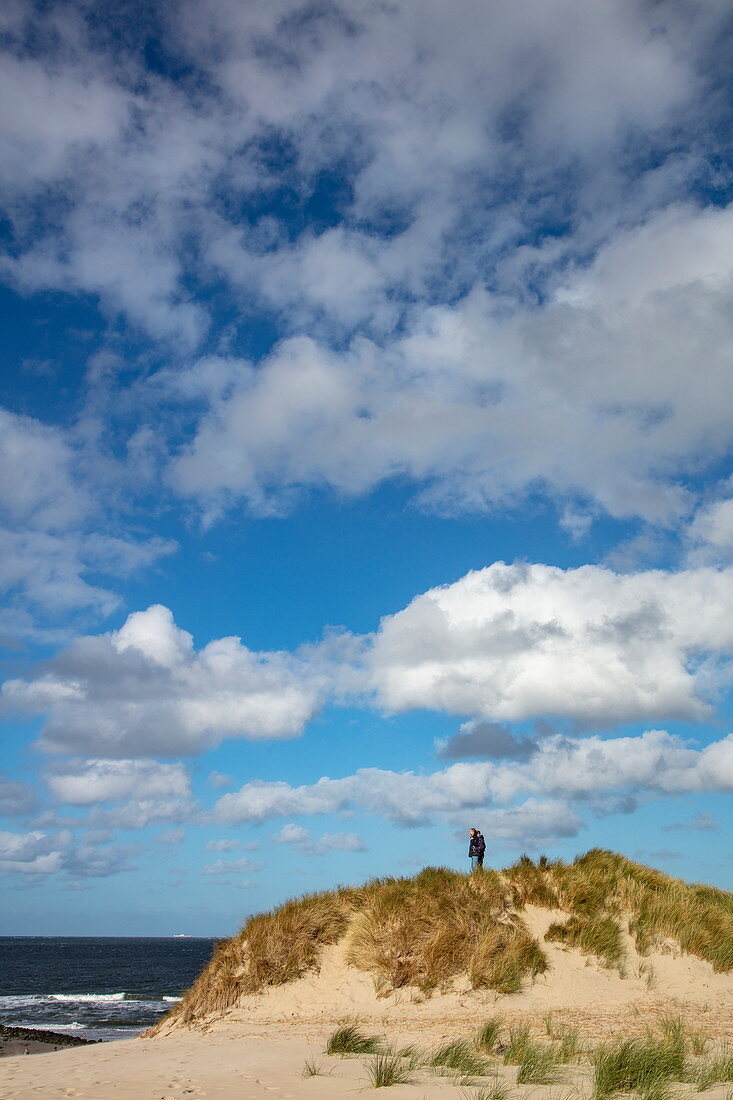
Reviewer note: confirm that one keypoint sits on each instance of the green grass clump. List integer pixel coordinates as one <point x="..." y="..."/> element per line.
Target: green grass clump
<point x="698" y="1041"/>
<point x="519" y="1041"/>
<point x="538" y="1066"/>
<point x="495" y="1090"/>
<point x="411" y="1053"/>
<point x="533" y="883"/>
<point x="717" y="1070"/>
<point x="506" y="955"/>
<point x="460" y="1056"/>
<point x="693" y="916"/>
<point x="312" y="1068"/>
<point x="487" y="1035"/>
<point x="601" y="885"/>
<point x="271" y="949"/>
<point x="348" y="1039"/>
<point x="594" y="935"/>
<point x="646" y="1066"/>
<point x="387" y="1069"/>
<point x="568" y="1046"/>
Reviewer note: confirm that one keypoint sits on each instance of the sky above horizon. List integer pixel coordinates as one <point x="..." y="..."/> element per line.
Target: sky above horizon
<point x="366" y="437"/>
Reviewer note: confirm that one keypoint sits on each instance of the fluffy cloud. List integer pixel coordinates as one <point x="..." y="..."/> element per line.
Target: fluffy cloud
<point x="562" y="770"/>
<point x="535" y="821"/>
<point x="485" y="739"/>
<point x="517" y="641"/>
<point x="223" y="845"/>
<point x="710" y="535"/>
<point x="144" y="690"/>
<point x="505" y="643"/>
<point x="48" y="544"/>
<point x="82" y="783"/>
<point x="171" y="838"/>
<point x="219" y="779"/>
<point x="624" y="364"/>
<point x="42" y="510"/>
<point x="309" y="845"/>
<point x="452" y="339"/>
<point x="38" y="489"/>
<point x="39" y="853"/>
<point x="432" y="159"/>
<point x="30" y="853"/>
<point x="699" y="822"/>
<point x="16" y="797"/>
<point x="231" y="866"/>
<point x="137" y="813"/>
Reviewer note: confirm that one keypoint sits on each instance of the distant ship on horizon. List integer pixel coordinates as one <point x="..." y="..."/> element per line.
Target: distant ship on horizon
<point x="181" y="936"/>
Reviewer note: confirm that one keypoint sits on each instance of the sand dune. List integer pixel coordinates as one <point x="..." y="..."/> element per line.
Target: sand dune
<point x="575" y="986"/>
<point x="259" y="1013"/>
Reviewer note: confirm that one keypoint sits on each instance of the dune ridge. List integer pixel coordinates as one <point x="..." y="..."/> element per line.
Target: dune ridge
<point x="587" y="937"/>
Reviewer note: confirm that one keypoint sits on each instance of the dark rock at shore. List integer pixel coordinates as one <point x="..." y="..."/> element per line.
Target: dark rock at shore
<point x="31" y="1034"/>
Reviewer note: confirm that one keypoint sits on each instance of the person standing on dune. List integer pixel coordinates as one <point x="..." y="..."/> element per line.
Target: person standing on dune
<point x="476" y="848"/>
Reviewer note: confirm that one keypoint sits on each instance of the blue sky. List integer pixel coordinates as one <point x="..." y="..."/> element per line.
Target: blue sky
<point x="366" y="447"/>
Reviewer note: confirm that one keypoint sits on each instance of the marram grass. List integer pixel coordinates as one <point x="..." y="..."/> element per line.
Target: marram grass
<point x="716" y="1070"/>
<point x="645" y="1066"/>
<point x="488" y="1034"/>
<point x="459" y="1055"/>
<point x="388" y="1069"/>
<point x="350" y="1039"/>
<point x="539" y="1066"/>
<point x="591" y="935"/>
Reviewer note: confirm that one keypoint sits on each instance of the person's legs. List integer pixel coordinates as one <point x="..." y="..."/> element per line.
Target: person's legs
<point x="474" y="862"/>
<point x="480" y="861"/>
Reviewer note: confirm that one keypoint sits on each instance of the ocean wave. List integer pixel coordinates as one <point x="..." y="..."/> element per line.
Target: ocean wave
<point x="82" y="998"/>
<point x="54" y="1025"/>
<point x="17" y="1000"/>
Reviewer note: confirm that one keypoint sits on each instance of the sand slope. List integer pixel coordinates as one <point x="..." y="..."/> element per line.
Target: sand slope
<point x="576" y="986"/>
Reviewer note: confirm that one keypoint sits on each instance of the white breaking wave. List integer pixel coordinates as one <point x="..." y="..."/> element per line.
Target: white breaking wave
<point x="54" y="1025"/>
<point x="83" y="997"/>
<point x="20" y="1000"/>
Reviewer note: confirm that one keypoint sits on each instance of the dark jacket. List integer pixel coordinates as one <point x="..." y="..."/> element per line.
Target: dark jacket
<point x="476" y="845"/>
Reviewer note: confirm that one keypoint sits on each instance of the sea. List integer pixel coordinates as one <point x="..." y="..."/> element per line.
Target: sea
<point x="96" y="987"/>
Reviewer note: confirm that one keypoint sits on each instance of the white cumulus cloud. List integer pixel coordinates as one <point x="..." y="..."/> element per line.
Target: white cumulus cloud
<point x="516" y="641"/>
<point x="562" y="774"/>
<point x="85" y="782"/>
<point x="144" y="689"/>
<point x="39" y="853"/>
<point x="305" y="842"/>
<point x="502" y="644"/>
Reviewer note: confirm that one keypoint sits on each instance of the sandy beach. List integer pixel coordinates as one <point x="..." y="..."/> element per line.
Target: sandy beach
<point x="235" y="1061"/>
<point x="26" y="1040"/>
